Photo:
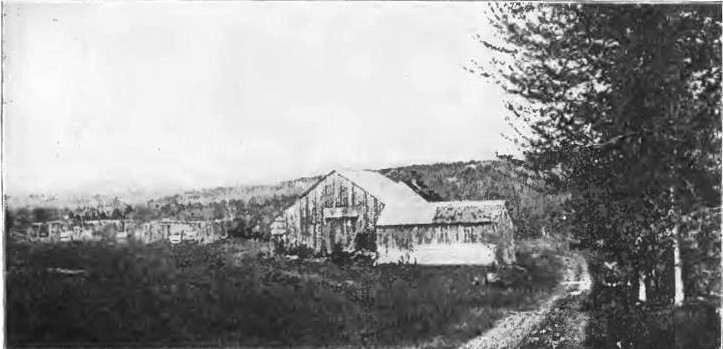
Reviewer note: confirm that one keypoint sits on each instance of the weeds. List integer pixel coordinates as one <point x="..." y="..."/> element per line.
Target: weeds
<point x="161" y="295"/>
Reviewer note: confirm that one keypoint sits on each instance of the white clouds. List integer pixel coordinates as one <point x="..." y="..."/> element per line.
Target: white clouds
<point x="202" y="94"/>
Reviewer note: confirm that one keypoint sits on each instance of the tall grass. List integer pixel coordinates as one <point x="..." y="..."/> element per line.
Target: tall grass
<point x="188" y="294"/>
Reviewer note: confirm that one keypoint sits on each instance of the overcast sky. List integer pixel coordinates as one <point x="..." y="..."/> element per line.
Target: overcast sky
<point x="167" y="95"/>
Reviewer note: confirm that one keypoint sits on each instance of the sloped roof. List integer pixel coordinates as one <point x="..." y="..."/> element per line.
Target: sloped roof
<point x="383" y="188"/>
<point x="448" y="212"/>
<point x="414" y="214"/>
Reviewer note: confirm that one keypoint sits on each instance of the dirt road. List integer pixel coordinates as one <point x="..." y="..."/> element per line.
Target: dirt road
<point x="563" y="326"/>
<point x="555" y="324"/>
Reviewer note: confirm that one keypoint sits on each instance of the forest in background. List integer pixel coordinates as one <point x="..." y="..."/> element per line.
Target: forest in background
<point x="252" y="208"/>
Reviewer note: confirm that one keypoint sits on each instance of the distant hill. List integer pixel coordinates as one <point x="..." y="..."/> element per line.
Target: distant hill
<point x="135" y="198"/>
<point x="531" y="207"/>
<point x="241" y="192"/>
<point x="253" y="207"/>
<point x="131" y="197"/>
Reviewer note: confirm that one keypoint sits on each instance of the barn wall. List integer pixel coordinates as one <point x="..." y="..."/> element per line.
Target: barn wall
<point x="444" y="244"/>
<point x="303" y="223"/>
<point x="506" y="246"/>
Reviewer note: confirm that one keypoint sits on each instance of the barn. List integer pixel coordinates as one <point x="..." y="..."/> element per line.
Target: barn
<point x="346" y="207"/>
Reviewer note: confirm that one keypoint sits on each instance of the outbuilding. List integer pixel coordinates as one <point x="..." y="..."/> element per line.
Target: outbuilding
<point x="452" y="232"/>
<point x="347" y="207"/>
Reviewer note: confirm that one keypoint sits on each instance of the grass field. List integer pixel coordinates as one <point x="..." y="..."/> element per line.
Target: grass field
<point x="211" y="295"/>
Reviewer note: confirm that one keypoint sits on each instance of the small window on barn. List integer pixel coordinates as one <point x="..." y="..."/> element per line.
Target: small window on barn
<point x="343" y="195"/>
<point x="328" y="195"/>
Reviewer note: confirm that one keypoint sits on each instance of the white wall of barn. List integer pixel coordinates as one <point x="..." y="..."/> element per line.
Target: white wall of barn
<point x="438" y="245"/>
<point x="440" y="254"/>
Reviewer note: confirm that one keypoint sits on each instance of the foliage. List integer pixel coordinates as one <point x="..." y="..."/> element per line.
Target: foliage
<point x="159" y="295"/>
<point x="697" y="324"/>
<point x="365" y="241"/>
<point x="626" y="119"/>
<point x="532" y="208"/>
<point x="282" y="247"/>
<point x="339" y="256"/>
<point x="700" y="254"/>
<point x="251" y="209"/>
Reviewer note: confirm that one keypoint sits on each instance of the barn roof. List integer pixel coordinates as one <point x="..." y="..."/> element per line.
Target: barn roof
<point x="448" y="212"/>
<point x="383" y="188"/>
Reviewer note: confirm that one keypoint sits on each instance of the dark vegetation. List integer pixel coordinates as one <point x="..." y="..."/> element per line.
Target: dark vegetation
<point x="158" y="294"/>
<point x="532" y="207"/>
<point x="248" y="208"/>
<point x="626" y="121"/>
<point x="234" y="294"/>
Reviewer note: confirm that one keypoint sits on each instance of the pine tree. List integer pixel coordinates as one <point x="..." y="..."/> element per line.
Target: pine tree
<point x="620" y="106"/>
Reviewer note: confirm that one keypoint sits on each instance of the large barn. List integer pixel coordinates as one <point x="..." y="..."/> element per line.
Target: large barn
<point x="406" y="227"/>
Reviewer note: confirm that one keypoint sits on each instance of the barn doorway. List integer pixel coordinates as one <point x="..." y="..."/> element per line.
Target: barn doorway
<point x="341" y="231"/>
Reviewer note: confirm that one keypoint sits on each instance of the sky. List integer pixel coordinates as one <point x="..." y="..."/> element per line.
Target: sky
<point x="104" y="97"/>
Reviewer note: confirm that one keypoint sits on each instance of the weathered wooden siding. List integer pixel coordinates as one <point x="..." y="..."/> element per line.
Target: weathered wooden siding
<point x="304" y="222"/>
<point x="447" y="243"/>
<point x="506" y="244"/>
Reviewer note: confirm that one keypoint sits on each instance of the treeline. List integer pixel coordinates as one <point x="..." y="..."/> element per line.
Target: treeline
<point x="244" y="193"/>
<point x="533" y="209"/>
<point x="250" y="207"/>
<point x="20" y="217"/>
<point x="249" y="219"/>
<point x="623" y="107"/>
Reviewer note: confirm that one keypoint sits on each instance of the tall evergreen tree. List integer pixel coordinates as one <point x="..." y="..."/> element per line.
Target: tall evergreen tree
<point x="622" y="107"/>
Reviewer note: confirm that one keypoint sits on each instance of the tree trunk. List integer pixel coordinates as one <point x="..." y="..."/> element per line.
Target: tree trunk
<point x="642" y="291"/>
<point x="678" y="265"/>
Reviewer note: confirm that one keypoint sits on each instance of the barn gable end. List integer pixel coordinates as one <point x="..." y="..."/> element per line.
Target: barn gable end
<point x="337" y="208"/>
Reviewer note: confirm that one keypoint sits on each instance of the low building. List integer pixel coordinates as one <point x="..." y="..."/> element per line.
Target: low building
<point x="346" y="207"/>
<point x="457" y="232"/>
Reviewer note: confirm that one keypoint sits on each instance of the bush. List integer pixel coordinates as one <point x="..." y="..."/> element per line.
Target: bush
<point x="540" y="262"/>
<point x="339" y="256"/>
<point x="194" y="294"/>
<point x="698" y="325"/>
<point x="281" y="247"/>
<point x="365" y="241"/>
<point x="146" y="294"/>
<point x="616" y="321"/>
<point x="615" y="318"/>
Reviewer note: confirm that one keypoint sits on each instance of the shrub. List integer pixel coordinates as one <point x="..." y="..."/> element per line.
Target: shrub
<point x="365" y="241"/>
<point x="339" y="256"/>
<point x="616" y="321"/>
<point x="192" y="294"/>
<point x="282" y="247"/>
<point x="698" y="325"/>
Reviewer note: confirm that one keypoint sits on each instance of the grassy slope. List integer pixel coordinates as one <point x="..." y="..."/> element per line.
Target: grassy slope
<point x="187" y="294"/>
